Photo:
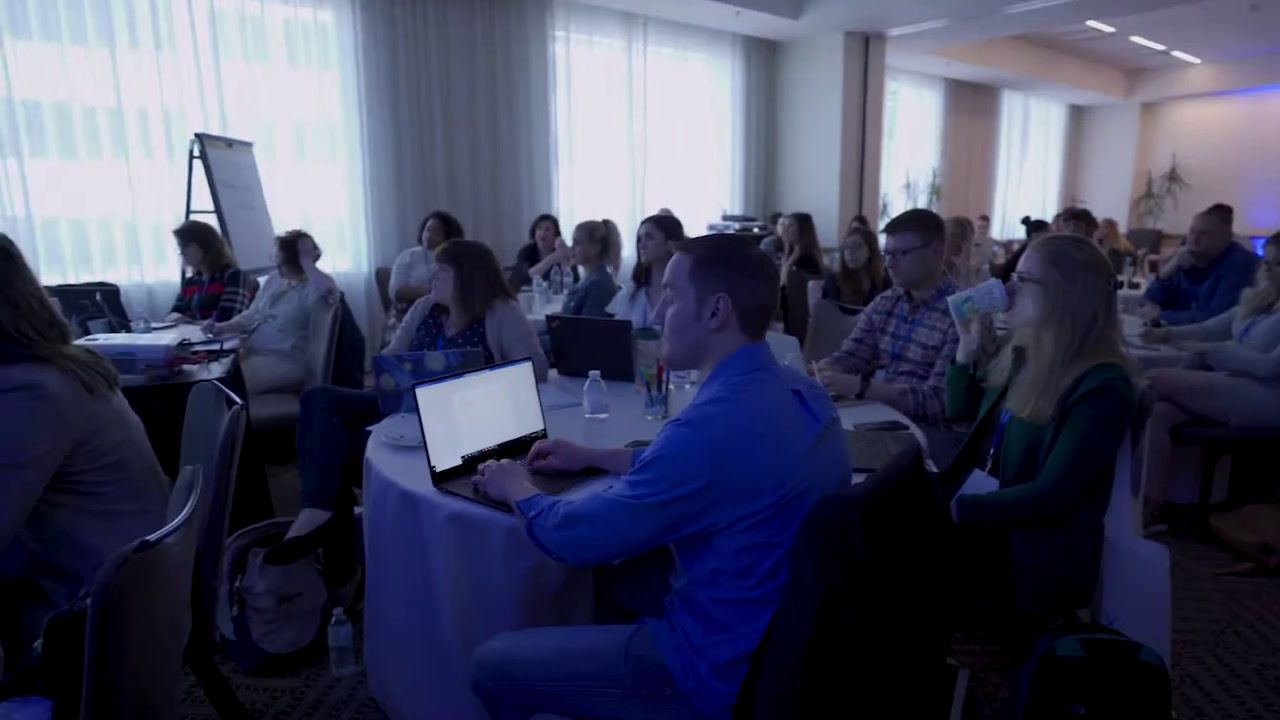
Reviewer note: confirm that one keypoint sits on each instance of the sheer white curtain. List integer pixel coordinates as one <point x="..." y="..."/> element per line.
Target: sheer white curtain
<point x="650" y="114"/>
<point x="456" y="97"/>
<point x="1032" y="151"/>
<point x="911" y="154"/>
<point x="99" y="100"/>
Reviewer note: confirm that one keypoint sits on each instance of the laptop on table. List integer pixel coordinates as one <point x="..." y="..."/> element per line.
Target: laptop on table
<point x="472" y="417"/>
<point x="582" y="344"/>
<point x="395" y="374"/>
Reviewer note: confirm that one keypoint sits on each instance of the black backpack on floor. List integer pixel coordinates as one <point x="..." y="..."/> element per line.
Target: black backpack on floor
<point x="1091" y="672"/>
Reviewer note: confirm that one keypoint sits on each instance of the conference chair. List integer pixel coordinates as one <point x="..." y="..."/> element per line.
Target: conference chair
<point x="796" y="301"/>
<point x="829" y="326"/>
<point x="1219" y="441"/>
<point x="212" y="436"/>
<point x="138" y="620"/>
<point x="276" y="411"/>
<point x="1135" y="588"/>
<point x="382" y="278"/>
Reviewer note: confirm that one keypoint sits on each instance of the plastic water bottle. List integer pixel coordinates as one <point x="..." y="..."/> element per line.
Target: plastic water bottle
<point x="557" y="280"/>
<point x="595" y="397"/>
<point x="342" y="645"/>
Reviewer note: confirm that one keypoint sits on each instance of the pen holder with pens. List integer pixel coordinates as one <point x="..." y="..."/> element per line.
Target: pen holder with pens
<point x="656" y="385"/>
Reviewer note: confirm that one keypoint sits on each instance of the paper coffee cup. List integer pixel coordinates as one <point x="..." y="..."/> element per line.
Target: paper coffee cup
<point x="987" y="298"/>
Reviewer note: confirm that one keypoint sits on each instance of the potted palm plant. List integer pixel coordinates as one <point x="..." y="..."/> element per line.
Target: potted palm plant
<point x="1158" y="193"/>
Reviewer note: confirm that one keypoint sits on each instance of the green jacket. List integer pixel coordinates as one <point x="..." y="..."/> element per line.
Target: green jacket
<point x="1055" y="482"/>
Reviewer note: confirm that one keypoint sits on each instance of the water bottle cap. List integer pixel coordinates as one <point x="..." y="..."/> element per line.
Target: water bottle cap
<point x="338" y="612"/>
<point x="593" y="374"/>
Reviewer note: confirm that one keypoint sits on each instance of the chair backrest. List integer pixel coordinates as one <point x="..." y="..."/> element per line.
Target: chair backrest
<point x="796" y="321"/>
<point x="782" y="345"/>
<point x="212" y="436"/>
<point x="828" y="328"/>
<point x="324" y="340"/>
<point x="382" y="278"/>
<point x="1135" y="588"/>
<point x="139" y="617"/>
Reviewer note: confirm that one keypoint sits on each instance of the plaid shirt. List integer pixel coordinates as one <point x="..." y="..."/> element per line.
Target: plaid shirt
<point x="221" y="297"/>
<point x="910" y="346"/>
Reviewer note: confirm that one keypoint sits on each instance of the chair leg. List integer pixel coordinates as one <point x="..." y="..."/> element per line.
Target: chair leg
<point x="217" y="690"/>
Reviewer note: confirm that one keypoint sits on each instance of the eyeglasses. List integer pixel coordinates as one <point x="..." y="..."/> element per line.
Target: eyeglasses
<point x="900" y="254"/>
<point x="1022" y="278"/>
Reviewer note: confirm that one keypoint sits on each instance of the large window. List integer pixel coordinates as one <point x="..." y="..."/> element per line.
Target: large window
<point x="1029" y="166"/>
<point x="911" y="154"/>
<point x="646" y="116"/>
<point x="99" y="100"/>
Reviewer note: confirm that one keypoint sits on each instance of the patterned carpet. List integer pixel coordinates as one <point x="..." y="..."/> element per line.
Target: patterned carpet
<point x="1226" y="646"/>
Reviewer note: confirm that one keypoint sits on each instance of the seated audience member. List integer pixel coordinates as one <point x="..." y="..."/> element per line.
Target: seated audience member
<point x="800" y="248"/>
<point x="469" y="306"/>
<point x="723" y="490"/>
<point x="772" y="244"/>
<point x="276" y="354"/>
<point x="1238" y="384"/>
<point x="545" y="255"/>
<point x="1035" y="229"/>
<point x="900" y="349"/>
<point x="411" y="273"/>
<point x="859" y="220"/>
<point x="983" y="251"/>
<point x="1078" y="221"/>
<point x="1206" y="276"/>
<point x="593" y="243"/>
<point x="656" y="240"/>
<point x="216" y="289"/>
<point x="860" y="276"/>
<point x="1057" y="404"/>
<point x="958" y="263"/>
<point x="1115" y="245"/>
<point x="80" y="479"/>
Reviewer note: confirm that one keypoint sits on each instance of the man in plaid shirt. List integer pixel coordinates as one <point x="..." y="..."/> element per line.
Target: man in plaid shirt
<point x="904" y="341"/>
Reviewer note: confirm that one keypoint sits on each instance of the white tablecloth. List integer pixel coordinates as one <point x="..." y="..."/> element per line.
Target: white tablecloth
<point x="444" y="575"/>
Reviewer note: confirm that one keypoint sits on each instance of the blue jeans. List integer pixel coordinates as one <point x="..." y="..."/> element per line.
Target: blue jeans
<point x="613" y="672"/>
<point x="331" y="442"/>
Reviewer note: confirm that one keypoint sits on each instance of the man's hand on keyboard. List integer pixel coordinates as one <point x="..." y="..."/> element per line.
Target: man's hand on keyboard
<point x="504" y="480"/>
<point x="557" y="455"/>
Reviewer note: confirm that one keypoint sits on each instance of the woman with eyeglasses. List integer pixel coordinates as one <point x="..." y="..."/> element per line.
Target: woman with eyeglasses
<point x="1236" y="382"/>
<point x="1052" y="411"/>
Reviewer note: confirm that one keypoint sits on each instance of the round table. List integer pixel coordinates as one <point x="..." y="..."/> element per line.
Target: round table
<point x="537" y="312"/>
<point x="444" y="575"/>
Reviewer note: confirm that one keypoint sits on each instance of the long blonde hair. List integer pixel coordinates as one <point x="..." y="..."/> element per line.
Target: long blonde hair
<point x="1081" y="328"/>
<point x="32" y="330"/>
<point x="1112" y="238"/>
<point x="1262" y="296"/>
<point x="605" y="236"/>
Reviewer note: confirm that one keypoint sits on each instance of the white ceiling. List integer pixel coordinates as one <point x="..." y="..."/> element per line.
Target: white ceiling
<point x="1044" y="49"/>
<point x="1215" y="31"/>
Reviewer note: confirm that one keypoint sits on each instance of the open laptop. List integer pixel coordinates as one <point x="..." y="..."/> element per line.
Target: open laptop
<point x="471" y="417"/>
<point x="395" y="374"/>
<point x="582" y="344"/>
<point x="870" y="448"/>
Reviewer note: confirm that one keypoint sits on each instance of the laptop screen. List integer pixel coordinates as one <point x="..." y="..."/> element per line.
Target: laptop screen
<point x="467" y="417"/>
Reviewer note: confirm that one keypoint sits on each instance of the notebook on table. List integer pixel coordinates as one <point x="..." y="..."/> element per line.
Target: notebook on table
<point x="472" y="417"/>
<point x="395" y="374"/>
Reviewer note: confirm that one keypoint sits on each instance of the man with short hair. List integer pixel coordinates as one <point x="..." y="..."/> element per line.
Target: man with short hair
<point x="904" y="341"/>
<point x="772" y="243"/>
<point x="1206" y="276"/>
<point x="725" y="485"/>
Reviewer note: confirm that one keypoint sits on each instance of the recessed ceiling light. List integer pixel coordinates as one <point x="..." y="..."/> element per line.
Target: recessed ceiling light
<point x="1031" y="5"/>
<point x="917" y="27"/>
<point x="1185" y="56"/>
<point x="1099" y="26"/>
<point x="1147" y="43"/>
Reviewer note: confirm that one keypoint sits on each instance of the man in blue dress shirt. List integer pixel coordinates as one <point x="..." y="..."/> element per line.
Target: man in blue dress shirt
<point x="1205" y="278"/>
<point x="725" y="485"/>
